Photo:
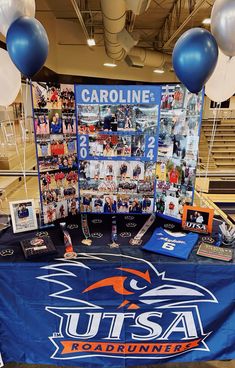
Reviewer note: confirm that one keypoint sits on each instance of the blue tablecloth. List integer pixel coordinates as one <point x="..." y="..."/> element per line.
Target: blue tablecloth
<point x="114" y="307"/>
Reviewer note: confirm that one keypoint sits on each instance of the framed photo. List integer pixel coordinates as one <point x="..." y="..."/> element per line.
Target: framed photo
<point x="23" y="216"/>
<point x="197" y="219"/>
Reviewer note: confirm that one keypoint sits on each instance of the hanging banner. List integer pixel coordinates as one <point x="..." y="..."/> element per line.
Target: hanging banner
<point x="70" y="313"/>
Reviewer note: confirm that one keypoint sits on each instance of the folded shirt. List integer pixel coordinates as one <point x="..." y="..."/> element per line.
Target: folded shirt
<point x="171" y="244"/>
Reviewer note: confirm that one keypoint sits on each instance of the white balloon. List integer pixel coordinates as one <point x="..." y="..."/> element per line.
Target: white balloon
<point x="10" y="10"/>
<point x="221" y="85"/>
<point x="10" y="79"/>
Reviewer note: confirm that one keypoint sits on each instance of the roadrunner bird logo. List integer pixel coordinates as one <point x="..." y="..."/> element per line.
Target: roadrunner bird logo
<point x="115" y="306"/>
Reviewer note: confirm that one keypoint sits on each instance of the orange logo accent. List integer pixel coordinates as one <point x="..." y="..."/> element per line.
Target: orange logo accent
<point x="142" y="275"/>
<point x="117" y="282"/>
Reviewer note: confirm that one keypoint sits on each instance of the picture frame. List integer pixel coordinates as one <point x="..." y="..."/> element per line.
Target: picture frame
<point x="198" y="219"/>
<point x="23" y="215"/>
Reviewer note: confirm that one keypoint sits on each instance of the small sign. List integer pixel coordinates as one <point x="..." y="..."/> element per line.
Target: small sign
<point x="198" y="219"/>
<point x="211" y="251"/>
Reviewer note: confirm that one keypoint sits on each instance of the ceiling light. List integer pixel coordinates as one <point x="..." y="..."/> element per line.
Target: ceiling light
<point x="206" y="21"/>
<point x="110" y="65"/>
<point x="159" y="71"/>
<point x="91" y="42"/>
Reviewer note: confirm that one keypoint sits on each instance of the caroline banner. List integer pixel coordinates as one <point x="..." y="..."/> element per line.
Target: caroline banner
<point x="113" y="310"/>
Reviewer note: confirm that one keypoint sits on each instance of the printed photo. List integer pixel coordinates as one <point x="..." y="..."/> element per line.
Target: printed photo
<point x="198" y="219"/>
<point x="23" y="215"/>
<point x="172" y="97"/>
<point x="138" y="146"/>
<point x="58" y="146"/>
<point x="67" y="96"/>
<point x="97" y="203"/>
<point x="69" y="122"/>
<point x="48" y="164"/>
<point x="49" y="213"/>
<point x="88" y="119"/>
<point x="55" y="119"/>
<point x="73" y="206"/>
<point x="43" y="145"/>
<point x="110" y="204"/>
<point x="61" y="209"/>
<point x="41" y="121"/>
<point x="146" y="118"/>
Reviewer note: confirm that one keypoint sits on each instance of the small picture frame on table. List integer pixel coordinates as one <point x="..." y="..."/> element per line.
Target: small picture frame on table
<point x="23" y="215"/>
<point x="198" y="219"/>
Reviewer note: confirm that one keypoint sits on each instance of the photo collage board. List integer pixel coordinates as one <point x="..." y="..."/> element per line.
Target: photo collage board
<point x="179" y="130"/>
<point x="117" y="145"/>
<point x="115" y="149"/>
<point x="56" y="140"/>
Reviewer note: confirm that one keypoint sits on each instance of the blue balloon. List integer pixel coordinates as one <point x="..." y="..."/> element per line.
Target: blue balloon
<point x="194" y="58"/>
<point x="27" y="45"/>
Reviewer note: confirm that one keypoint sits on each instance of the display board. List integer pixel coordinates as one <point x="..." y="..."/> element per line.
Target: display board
<point x="115" y="149"/>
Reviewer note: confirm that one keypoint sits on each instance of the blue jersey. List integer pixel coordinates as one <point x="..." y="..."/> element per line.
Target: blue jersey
<point x="177" y="245"/>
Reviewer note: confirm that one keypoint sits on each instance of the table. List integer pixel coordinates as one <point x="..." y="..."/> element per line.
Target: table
<point x="114" y="307"/>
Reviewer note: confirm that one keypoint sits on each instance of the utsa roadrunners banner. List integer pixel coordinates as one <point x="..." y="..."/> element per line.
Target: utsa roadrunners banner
<point x="112" y="310"/>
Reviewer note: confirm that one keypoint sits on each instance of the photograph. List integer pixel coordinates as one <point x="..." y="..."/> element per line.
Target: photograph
<point x="138" y="146"/>
<point x="41" y="121"/>
<point x="68" y="122"/>
<point x="55" y="120"/>
<point x="40" y="95"/>
<point x="53" y="96"/>
<point x="172" y="97"/>
<point x="97" y="204"/>
<point x="193" y="103"/>
<point x="67" y="96"/>
<point x="61" y="209"/>
<point x="58" y="146"/>
<point x="49" y="213"/>
<point x="48" y="163"/>
<point x="125" y="116"/>
<point x="108" y="118"/>
<point x="88" y="119"/>
<point x="73" y="206"/>
<point x="43" y="146"/>
<point x="198" y="219"/>
<point x="70" y="143"/>
<point x="23" y="215"/>
<point x="146" y="118"/>
<point x="137" y="170"/>
<point x="110" y="204"/>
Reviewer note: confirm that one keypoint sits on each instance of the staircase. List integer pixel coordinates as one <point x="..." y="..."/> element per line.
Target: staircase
<point x="223" y="151"/>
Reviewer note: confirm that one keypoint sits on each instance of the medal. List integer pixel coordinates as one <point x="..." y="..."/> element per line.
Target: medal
<point x="87" y="242"/>
<point x="37" y="241"/>
<point x="114" y="243"/>
<point x="137" y="240"/>
<point x="70" y="255"/>
<point x="85" y="230"/>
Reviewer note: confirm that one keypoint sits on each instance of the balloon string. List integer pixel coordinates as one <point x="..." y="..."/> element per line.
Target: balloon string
<point x="217" y="110"/>
<point x="24" y="137"/>
<point x="14" y="135"/>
